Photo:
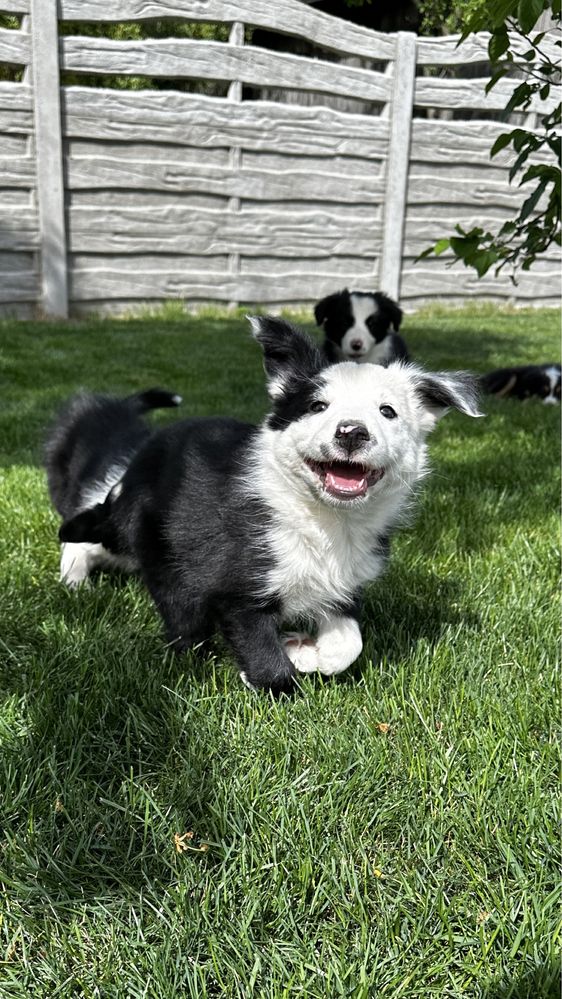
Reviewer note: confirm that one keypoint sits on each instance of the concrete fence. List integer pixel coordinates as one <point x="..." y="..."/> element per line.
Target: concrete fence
<point x="112" y="197"/>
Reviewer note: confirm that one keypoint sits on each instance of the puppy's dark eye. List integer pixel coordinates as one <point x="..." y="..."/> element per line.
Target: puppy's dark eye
<point x="388" y="412"/>
<point x="317" y="406"/>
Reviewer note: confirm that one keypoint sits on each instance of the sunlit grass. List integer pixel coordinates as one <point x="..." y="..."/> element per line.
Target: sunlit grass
<point x="393" y="833"/>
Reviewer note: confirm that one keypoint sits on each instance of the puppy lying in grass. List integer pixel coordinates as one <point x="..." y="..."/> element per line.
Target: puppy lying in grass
<point x="541" y="381"/>
<point x="240" y="528"/>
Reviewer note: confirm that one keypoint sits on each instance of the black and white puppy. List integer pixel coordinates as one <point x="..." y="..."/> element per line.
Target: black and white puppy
<point x="243" y="528"/>
<point x="540" y="380"/>
<point x="86" y="455"/>
<point x="360" y="326"/>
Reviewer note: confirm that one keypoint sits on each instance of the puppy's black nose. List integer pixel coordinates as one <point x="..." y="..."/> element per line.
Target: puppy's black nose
<point x="351" y="436"/>
<point x="356" y="344"/>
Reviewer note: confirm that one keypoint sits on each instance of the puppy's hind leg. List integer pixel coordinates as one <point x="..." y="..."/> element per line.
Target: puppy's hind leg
<point x="184" y="619"/>
<point x="184" y="628"/>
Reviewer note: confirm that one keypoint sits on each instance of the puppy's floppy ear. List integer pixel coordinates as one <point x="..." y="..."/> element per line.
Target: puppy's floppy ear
<point x="440" y="391"/>
<point x="390" y="309"/>
<point x="86" y="526"/>
<point x="288" y="353"/>
<point x="323" y="308"/>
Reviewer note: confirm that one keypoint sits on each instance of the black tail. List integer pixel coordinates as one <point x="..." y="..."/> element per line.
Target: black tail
<point x="153" y="398"/>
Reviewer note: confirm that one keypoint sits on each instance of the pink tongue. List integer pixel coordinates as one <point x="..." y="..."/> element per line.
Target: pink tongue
<point x="346" y="482"/>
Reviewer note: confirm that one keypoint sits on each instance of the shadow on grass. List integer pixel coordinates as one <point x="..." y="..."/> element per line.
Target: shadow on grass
<point x="543" y="982"/>
<point x="488" y="476"/>
<point x="212" y="362"/>
<point x="410" y="606"/>
<point x="112" y="726"/>
<point x="115" y="726"/>
<point x="460" y="348"/>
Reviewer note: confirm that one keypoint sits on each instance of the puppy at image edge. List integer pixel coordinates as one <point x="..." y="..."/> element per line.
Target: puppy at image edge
<point x="243" y="528"/>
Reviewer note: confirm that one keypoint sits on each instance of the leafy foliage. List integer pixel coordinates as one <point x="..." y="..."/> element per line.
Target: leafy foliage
<point x="446" y="17"/>
<point x="139" y="31"/>
<point x="521" y="240"/>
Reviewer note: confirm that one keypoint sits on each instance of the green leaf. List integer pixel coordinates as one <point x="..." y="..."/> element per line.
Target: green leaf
<point x="499" y="43"/>
<point x="520" y="138"/>
<point x="520" y="96"/>
<point x="484" y="260"/>
<point x="528" y="13"/>
<point x="502" y="71"/>
<point x="425" y="253"/>
<point x="471" y="233"/>
<point x="501" y="142"/>
<point x="532" y="200"/>
<point x="440" y="246"/>
<point x="523" y="156"/>
<point x="550" y="174"/>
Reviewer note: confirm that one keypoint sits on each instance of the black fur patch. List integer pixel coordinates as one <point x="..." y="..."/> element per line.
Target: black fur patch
<point x="522" y="382"/>
<point x="295" y="402"/>
<point x="461" y="393"/>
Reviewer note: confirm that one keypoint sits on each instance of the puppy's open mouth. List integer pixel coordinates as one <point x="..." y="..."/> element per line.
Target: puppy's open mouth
<point x="345" y="479"/>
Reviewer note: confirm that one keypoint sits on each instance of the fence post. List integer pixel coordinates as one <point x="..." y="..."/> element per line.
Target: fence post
<point x="398" y="163"/>
<point x="236" y="37"/>
<point x="48" y="151"/>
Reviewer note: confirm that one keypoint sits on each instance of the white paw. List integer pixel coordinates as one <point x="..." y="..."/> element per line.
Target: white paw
<point x="81" y="582"/>
<point x="75" y="563"/>
<point x="302" y="650"/>
<point x="246" y="682"/>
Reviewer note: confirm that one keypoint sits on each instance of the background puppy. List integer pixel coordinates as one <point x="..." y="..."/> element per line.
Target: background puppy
<point x="542" y="380"/>
<point x="86" y="456"/>
<point x="242" y="528"/>
<point x="358" y="326"/>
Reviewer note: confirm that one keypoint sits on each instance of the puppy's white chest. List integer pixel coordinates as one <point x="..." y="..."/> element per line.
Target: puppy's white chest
<point x="316" y="569"/>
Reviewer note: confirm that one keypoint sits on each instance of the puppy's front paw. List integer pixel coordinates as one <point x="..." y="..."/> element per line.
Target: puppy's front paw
<point x="246" y="682"/>
<point x="302" y="650"/>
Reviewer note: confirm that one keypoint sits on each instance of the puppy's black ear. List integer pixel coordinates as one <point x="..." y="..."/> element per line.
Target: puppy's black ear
<point x="440" y="391"/>
<point x="390" y="309"/>
<point x="288" y="353"/>
<point x="86" y="526"/>
<point x="499" y="382"/>
<point x="326" y="305"/>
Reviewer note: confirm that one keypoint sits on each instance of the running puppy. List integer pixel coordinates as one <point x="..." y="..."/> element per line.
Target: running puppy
<point x="360" y="326"/>
<point x="243" y="528"/>
<point x="86" y="456"/>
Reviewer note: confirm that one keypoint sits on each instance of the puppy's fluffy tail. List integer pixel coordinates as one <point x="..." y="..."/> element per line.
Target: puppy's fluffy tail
<point x="153" y="398"/>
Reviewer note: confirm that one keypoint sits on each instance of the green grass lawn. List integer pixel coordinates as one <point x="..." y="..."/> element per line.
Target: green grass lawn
<point x="392" y="833"/>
